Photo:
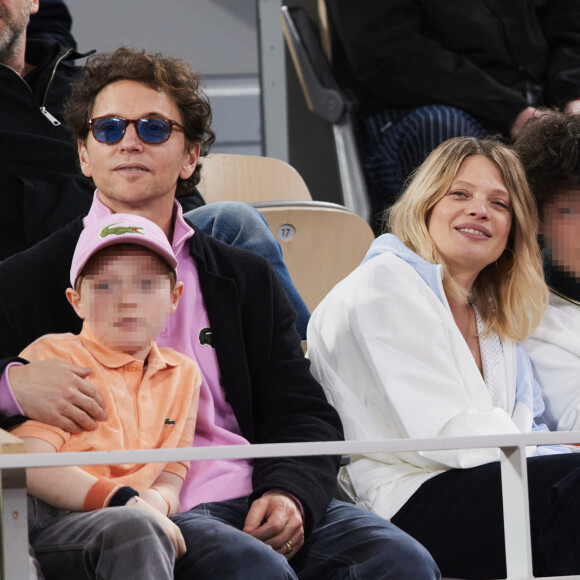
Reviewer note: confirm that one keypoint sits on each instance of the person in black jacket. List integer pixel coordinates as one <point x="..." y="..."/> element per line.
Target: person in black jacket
<point x="428" y="70"/>
<point x="141" y="124"/>
<point x="41" y="188"/>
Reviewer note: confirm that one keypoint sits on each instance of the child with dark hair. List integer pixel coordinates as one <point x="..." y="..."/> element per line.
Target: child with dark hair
<point x="548" y="148"/>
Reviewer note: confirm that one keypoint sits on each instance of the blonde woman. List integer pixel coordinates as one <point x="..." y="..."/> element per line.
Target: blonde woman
<point x="423" y="340"/>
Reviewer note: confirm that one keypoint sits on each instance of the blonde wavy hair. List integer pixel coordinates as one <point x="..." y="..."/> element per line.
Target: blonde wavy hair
<point x="510" y="294"/>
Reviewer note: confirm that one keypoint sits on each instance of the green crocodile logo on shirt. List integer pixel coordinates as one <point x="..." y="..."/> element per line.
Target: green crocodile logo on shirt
<point x="116" y="230"/>
<point x="205" y="336"/>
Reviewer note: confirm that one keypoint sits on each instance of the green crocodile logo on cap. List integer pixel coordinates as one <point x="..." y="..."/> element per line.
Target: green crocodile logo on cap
<point x="116" y="230"/>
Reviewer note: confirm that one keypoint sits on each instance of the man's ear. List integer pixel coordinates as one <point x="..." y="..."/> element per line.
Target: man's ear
<point x="176" y="296"/>
<point x="33" y="6"/>
<point x="84" y="158"/>
<point x="74" y="299"/>
<point x="190" y="160"/>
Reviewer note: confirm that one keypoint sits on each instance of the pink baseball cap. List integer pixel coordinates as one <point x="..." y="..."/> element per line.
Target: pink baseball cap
<point x="120" y="228"/>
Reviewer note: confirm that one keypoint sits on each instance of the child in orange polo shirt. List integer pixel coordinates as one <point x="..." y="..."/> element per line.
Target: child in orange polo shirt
<point x="124" y="285"/>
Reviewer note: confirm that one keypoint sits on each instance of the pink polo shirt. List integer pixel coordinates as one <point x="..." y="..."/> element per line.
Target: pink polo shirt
<point x="205" y="481"/>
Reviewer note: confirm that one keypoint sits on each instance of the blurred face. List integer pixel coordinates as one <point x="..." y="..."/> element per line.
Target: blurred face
<point x="470" y="224"/>
<point x="125" y="299"/>
<point x="14" y="16"/>
<point x="133" y="176"/>
<point x="561" y="228"/>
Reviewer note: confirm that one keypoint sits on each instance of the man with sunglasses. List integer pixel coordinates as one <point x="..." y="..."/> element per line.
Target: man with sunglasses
<point x="41" y="188"/>
<point x="142" y="125"/>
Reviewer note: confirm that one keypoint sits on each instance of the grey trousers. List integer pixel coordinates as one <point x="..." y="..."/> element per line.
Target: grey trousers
<point x="110" y="544"/>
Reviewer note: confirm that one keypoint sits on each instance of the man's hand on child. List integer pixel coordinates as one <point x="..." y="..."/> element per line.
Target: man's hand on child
<point x="56" y="392"/>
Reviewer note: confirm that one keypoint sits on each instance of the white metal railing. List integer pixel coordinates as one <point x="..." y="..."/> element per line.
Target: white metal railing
<point x="513" y="471"/>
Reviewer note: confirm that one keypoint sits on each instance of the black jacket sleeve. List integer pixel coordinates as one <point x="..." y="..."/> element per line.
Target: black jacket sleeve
<point x="290" y="406"/>
<point x="265" y="376"/>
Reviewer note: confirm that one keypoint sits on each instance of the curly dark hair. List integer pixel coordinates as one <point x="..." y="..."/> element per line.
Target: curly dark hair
<point x="171" y="75"/>
<point x="548" y="149"/>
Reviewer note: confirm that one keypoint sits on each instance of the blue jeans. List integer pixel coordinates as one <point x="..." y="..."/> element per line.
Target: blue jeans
<point x="349" y="543"/>
<point x="241" y="225"/>
<point x="118" y="543"/>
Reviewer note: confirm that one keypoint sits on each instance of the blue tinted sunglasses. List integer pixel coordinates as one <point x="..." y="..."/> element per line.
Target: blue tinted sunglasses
<point x="110" y="129"/>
